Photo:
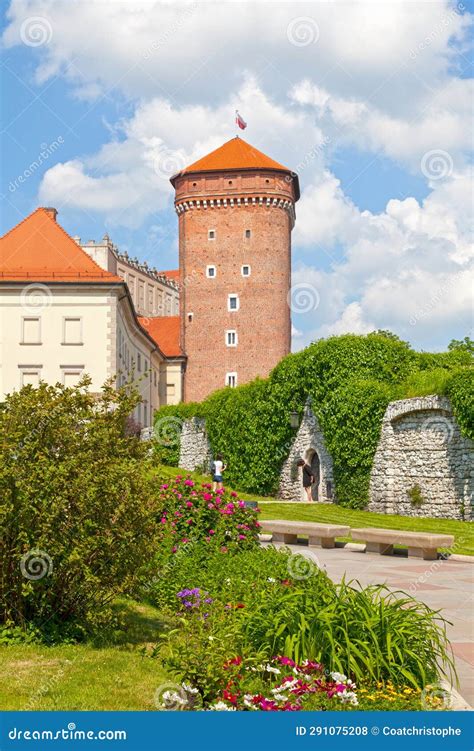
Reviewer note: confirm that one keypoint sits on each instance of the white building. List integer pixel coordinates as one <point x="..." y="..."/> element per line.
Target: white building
<point x="62" y="314"/>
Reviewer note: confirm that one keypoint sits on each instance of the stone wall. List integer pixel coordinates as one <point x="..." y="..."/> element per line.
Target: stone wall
<point x="422" y="454"/>
<point x="195" y="449"/>
<point x="309" y="439"/>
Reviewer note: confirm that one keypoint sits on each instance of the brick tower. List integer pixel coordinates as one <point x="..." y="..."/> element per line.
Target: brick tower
<point x="236" y="210"/>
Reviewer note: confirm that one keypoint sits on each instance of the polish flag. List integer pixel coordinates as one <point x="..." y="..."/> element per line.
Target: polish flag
<point x="240" y="121"/>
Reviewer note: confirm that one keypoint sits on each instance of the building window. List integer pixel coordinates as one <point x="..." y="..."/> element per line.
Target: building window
<point x="190" y="317"/>
<point x="31" y="331"/>
<point x="211" y="272"/>
<point x="145" y="414"/>
<point x="231" y="338"/>
<point x="154" y="377"/>
<point x="71" y="375"/>
<point x="72" y="331"/>
<point x="233" y="302"/>
<point x="245" y="270"/>
<point x="30" y="375"/>
<point x="231" y="380"/>
<point x="211" y="235"/>
<point x="248" y="233"/>
<point x="139" y="362"/>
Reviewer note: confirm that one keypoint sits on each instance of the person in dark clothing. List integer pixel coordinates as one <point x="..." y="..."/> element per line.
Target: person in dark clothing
<point x="308" y="478"/>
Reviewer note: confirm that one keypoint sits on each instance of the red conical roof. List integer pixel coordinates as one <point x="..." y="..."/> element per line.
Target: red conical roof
<point x="236" y="154"/>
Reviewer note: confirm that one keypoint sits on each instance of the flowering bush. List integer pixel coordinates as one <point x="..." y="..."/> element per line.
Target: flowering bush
<point x="195" y="513"/>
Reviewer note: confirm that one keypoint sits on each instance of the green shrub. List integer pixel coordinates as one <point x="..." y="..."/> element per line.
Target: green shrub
<point x="460" y="390"/>
<point x="78" y="515"/>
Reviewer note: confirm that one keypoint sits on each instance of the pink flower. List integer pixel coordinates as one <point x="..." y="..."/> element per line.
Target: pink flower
<point x="189" y="504"/>
<point x="163" y="519"/>
<point x="242" y="504"/>
<point x="233" y="494"/>
<point x="164" y="487"/>
<point x="220" y="491"/>
<point x="208" y="539"/>
<point x="189" y="483"/>
<point x="190" y="521"/>
<point x="212" y="532"/>
<point x="185" y="540"/>
<point x="174" y="549"/>
<point x="207" y="496"/>
<point x="241" y="537"/>
<point x="210" y="505"/>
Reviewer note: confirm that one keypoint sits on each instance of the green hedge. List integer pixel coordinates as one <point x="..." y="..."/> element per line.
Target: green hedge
<point x="351" y="379"/>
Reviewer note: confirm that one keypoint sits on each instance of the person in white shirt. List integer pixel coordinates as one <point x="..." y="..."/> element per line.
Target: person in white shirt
<point x="218" y="467"/>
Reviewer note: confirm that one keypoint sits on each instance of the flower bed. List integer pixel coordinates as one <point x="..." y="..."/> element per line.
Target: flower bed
<point x="193" y="512"/>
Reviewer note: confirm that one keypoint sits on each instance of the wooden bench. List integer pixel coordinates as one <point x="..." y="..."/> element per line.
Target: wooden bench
<point x="420" y="544"/>
<point x="318" y="534"/>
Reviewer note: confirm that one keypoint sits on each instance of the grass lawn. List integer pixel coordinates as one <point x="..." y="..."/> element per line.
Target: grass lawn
<point x="114" y="676"/>
<point x="331" y="513"/>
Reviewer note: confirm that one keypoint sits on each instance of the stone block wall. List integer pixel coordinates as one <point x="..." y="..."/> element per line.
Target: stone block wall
<point x="421" y="447"/>
<point x="309" y="439"/>
<point x="195" y="450"/>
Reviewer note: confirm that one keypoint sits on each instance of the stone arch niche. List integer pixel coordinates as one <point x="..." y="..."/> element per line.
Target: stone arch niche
<point x="309" y="444"/>
<point x="423" y="465"/>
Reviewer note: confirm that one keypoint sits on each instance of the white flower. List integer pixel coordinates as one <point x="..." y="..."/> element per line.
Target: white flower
<point x="348" y="697"/>
<point x="288" y="684"/>
<point x="248" y="701"/>
<point x="339" y="677"/>
<point x="271" y="669"/>
<point x="279" y="697"/>
<point x="271" y="579"/>
<point x="172" y="698"/>
<point x="189" y="689"/>
<point x="221" y="707"/>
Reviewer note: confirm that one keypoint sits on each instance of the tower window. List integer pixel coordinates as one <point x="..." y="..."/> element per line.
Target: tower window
<point x="248" y="233"/>
<point x="233" y="302"/>
<point x="211" y="235"/>
<point x="231" y="380"/>
<point x="211" y="272"/>
<point x="231" y="338"/>
<point x="190" y="317"/>
<point x="245" y="270"/>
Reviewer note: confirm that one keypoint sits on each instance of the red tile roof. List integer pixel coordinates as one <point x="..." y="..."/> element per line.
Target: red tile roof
<point x="165" y="331"/>
<point x="236" y="154"/>
<point x="173" y="274"/>
<point x="39" y="249"/>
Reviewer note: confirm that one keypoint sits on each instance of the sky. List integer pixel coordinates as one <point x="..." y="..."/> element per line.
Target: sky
<point x="370" y="102"/>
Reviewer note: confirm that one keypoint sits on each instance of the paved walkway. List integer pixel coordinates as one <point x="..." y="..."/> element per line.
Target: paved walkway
<point x="442" y="585"/>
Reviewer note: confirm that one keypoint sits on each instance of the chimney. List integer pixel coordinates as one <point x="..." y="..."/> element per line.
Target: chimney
<point x="51" y="212"/>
